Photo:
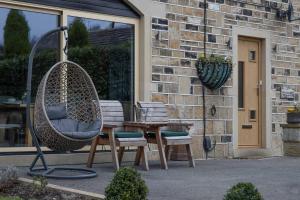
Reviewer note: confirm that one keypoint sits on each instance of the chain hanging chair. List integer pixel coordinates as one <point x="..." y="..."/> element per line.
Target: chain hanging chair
<point x="67" y="113"/>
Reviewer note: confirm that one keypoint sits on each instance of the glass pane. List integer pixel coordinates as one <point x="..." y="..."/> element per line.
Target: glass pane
<point x="241" y="85"/>
<point x="252" y="56"/>
<point x="106" y="50"/>
<point x="19" y="30"/>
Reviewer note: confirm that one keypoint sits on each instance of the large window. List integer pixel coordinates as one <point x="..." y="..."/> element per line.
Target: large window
<point x="19" y="29"/>
<point x="105" y="46"/>
<point x="106" y="50"/>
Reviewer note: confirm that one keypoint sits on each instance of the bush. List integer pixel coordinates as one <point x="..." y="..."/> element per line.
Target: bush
<point x="243" y="191"/>
<point x="8" y="177"/>
<point x="10" y="198"/>
<point x="127" y="184"/>
<point x="108" y="68"/>
<point x="39" y="185"/>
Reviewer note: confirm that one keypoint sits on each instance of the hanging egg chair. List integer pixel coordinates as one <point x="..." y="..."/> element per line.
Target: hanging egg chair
<point x="67" y="113"/>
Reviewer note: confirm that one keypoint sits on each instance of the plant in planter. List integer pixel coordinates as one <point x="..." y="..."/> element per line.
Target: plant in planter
<point x="127" y="184"/>
<point x="39" y="185"/>
<point x="213" y="71"/>
<point x="243" y="191"/>
<point x="293" y="114"/>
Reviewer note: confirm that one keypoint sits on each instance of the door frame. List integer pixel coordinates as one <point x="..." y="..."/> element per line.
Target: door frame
<point x="266" y="101"/>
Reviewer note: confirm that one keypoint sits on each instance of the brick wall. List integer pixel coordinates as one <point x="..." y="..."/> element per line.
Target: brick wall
<point x="177" y="41"/>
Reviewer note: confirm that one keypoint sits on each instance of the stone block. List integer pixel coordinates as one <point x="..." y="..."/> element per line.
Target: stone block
<point x="184" y="85"/>
<point x="160" y="97"/>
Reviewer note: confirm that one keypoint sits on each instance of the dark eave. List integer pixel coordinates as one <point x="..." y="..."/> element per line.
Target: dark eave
<point x="110" y="7"/>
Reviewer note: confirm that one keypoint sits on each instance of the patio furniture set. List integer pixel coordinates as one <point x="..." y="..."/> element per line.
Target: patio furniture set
<point x="155" y="129"/>
<point x="69" y="115"/>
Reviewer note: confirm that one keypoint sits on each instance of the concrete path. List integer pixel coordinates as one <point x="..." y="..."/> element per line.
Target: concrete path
<point x="275" y="178"/>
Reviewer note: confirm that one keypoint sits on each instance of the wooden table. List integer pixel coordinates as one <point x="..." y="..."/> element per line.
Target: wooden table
<point x="153" y="127"/>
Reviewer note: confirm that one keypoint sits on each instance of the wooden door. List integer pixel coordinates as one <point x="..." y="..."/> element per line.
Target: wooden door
<point x="249" y="83"/>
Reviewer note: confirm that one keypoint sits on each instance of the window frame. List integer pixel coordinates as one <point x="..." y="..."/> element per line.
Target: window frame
<point x="63" y="14"/>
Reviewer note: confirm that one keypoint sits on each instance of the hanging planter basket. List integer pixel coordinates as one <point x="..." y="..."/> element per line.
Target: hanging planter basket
<point x="214" y="71"/>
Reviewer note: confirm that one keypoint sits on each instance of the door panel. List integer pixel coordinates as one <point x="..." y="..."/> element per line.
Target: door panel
<point x="249" y="92"/>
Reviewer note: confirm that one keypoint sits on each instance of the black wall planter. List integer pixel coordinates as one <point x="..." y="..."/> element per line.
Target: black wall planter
<point x="213" y="74"/>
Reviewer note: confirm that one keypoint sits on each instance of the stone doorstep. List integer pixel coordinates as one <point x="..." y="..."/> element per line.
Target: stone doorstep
<point x="65" y="189"/>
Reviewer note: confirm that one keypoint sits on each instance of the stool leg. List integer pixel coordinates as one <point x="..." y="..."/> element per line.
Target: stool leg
<point x="167" y="152"/>
<point x="137" y="156"/>
<point x="120" y="154"/>
<point x="190" y="155"/>
<point x="92" y="152"/>
<point x="144" y="158"/>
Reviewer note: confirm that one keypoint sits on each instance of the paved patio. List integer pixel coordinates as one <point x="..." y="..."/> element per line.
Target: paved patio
<point x="276" y="178"/>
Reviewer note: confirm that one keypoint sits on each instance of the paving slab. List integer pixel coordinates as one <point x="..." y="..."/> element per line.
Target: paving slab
<point x="276" y="178"/>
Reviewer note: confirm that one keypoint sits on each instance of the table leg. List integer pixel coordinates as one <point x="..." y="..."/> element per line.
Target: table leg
<point x="160" y="146"/>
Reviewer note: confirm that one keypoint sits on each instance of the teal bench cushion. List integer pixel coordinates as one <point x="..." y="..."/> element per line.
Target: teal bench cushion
<point x="124" y="134"/>
<point x="169" y="134"/>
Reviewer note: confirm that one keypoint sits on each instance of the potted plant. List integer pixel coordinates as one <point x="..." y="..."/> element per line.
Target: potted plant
<point x="243" y="191"/>
<point x="213" y="71"/>
<point x="293" y="114"/>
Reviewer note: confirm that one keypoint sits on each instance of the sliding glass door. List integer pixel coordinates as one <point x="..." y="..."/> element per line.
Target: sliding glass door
<point x="105" y="45"/>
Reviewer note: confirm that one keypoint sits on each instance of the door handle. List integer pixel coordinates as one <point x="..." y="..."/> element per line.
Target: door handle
<point x="259" y="84"/>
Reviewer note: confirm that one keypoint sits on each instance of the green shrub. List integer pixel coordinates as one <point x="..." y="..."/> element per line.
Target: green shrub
<point x="127" y="184"/>
<point x="10" y="198"/>
<point x="39" y="185"/>
<point x="243" y="191"/>
<point x="107" y="66"/>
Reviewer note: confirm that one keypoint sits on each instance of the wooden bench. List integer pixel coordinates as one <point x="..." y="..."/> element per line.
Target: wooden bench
<point x="116" y="135"/>
<point x="171" y="134"/>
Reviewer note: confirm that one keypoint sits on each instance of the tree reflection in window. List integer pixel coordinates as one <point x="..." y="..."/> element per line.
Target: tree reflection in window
<point x="106" y="50"/>
<point x="19" y="30"/>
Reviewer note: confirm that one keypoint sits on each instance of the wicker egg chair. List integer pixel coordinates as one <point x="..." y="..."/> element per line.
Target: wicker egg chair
<point x="67" y="113"/>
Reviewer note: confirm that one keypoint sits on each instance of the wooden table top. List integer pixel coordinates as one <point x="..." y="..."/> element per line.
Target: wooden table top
<point x="145" y="124"/>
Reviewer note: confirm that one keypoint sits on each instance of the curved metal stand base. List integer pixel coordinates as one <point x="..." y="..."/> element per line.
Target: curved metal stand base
<point x="80" y="173"/>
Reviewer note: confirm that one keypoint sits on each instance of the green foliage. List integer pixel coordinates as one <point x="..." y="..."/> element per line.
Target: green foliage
<point x="10" y="198"/>
<point x="214" y="59"/>
<point x="78" y="34"/>
<point x="127" y="184"/>
<point x="14" y="73"/>
<point x="107" y="66"/>
<point x="243" y="191"/>
<point x="39" y="185"/>
<point x="96" y="62"/>
<point x="16" y="34"/>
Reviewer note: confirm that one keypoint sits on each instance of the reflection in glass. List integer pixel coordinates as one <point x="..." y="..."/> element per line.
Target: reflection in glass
<point x="19" y="30"/>
<point x="106" y="50"/>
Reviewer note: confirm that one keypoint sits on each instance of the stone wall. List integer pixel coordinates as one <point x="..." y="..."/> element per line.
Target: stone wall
<point x="177" y="41"/>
